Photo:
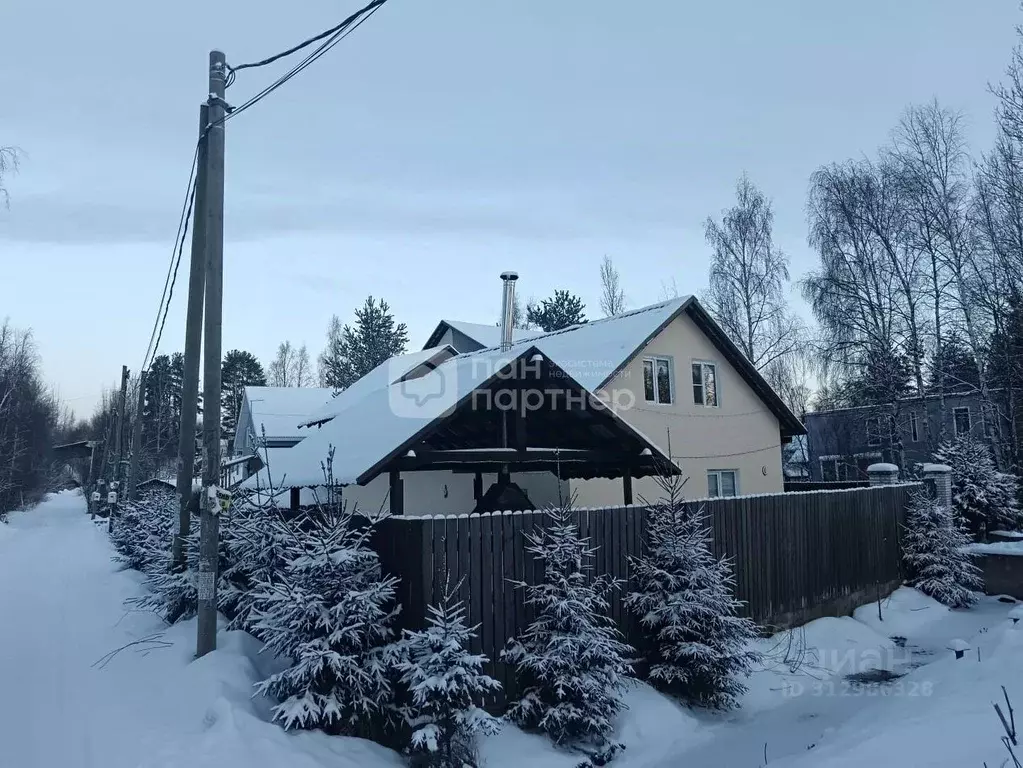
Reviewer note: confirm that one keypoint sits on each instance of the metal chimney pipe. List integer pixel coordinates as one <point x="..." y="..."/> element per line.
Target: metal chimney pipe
<point x="508" y="308"/>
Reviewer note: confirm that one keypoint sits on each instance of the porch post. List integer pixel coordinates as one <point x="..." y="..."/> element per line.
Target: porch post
<point x="627" y="486"/>
<point x="477" y="486"/>
<point x="296" y="498"/>
<point x="397" y="493"/>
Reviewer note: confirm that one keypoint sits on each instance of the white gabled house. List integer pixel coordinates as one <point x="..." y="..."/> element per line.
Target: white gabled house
<point x="588" y="411"/>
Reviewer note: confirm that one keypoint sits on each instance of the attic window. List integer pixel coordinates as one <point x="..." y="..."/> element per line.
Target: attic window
<point x="657" y="386"/>
<point x="705" y="383"/>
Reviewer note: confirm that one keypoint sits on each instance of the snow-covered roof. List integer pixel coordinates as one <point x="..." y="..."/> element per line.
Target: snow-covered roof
<point x="489" y="335"/>
<point x="591" y="353"/>
<point x="390" y="414"/>
<point x="386" y="373"/>
<point x="389" y="417"/>
<point x="279" y="410"/>
<point x="386" y="417"/>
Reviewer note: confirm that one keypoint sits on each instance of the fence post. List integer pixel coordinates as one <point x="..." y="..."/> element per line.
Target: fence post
<point x="883" y="474"/>
<point x="941" y="476"/>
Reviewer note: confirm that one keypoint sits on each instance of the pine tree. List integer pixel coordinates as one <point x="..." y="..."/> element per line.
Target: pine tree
<point x="700" y="647"/>
<point x="351" y="353"/>
<point x="445" y="684"/>
<point x="559" y="311"/>
<point x="570" y="661"/>
<point x="935" y="556"/>
<point x="330" y="610"/>
<point x="983" y="497"/>
<point x="240" y="369"/>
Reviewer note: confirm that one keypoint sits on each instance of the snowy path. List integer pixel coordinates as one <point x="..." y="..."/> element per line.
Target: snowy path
<point x="61" y="605"/>
<point x="62" y="611"/>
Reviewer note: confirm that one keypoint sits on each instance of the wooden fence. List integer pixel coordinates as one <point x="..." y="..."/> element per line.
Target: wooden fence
<point x="797" y="486"/>
<point x="796" y="556"/>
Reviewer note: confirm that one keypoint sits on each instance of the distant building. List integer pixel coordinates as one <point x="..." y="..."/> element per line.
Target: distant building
<point x="842" y="443"/>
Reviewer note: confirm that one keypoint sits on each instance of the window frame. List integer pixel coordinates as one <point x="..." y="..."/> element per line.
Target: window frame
<point x="653" y="360"/>
<point x="718" y="473"/>
<point x="914" y="427"/>
<point x="873" y="438"/>
<point x="704" y="364"/>
<point x="955" y="420"/>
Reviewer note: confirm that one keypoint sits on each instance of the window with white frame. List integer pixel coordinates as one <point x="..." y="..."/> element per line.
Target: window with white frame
<point x="705" y="383"/>
<point x="657" y="384"/>
<point x="961" y="420"/>
<point x="914" y="427"/>
<point x="723" y="482"/>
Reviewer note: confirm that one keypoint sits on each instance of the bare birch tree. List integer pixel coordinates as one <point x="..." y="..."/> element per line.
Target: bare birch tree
<point x="931" y="148"/>
<point x="612" y="297"/>
<point x="749" y="277"/>
<point x="9" y="159"/>
<point x="280" y="372"/>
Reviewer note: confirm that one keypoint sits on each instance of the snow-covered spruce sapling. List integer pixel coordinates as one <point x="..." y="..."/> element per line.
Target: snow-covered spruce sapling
<point x="700" y="648"/>
<point x="330" y="611"/>
<point x="570" y="661"/>
<point x="986" y="499"/>
<point x="256" y="539"/>
<point x="141" y="536"/>
<point x="445" y="684"/>
<point x="934" y="551"/>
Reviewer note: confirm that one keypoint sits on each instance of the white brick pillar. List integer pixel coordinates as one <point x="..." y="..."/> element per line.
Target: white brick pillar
<point x="883" y="474"/>
<point x="941" y="476"/>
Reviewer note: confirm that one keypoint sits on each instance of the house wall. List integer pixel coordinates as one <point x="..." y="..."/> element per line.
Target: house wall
<point x="843" y="433"/>
<point x="739" y="434"/>
<point x="448" y="493"/>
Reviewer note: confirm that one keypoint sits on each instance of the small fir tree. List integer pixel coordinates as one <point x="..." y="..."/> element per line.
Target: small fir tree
<point x="683" y="596"/>
<point x="570" y="661"/>
<point x="445" y="684"/>
<point x="559" y="311"/>
<point x="142" y="530"/>
<point x="935" y="555"/>
<point x="984" y="498"/>
<point x="330" y="610"/>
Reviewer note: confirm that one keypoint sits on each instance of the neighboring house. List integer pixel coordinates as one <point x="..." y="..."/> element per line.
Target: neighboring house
<point x="664" y="375"/>
<point x="844" y="442"/>
<point x="273" y="413"/>
<point x="470" y="337"/>
<point x="795" y="459"/>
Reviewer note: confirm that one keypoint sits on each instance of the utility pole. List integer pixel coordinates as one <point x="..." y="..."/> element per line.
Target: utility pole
<point x="209" y="534"/>
<point x="119" y="440"/>
<point x="136" y="439"/>
<point x="193" y="343"/>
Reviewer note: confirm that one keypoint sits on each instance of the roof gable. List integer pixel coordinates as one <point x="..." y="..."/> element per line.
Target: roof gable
<point x="486" y="336"/>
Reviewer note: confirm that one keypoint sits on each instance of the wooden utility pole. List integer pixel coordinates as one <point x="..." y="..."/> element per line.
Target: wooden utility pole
<point x="119" y="441"/>
<point x="136" y="439"/>
<point x="209" y="534"/>
<point x="193" y="343"/>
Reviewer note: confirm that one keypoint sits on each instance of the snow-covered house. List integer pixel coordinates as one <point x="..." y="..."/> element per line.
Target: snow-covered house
<point x="590" y="410"/>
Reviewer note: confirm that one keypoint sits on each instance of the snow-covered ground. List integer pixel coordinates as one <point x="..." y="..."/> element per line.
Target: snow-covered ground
<point x="68" y="703"/>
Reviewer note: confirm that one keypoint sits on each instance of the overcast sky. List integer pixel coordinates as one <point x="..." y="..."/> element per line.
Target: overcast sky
<point x="441" y="143"/>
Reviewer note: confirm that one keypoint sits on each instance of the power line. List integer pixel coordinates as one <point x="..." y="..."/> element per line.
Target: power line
<point x="172" y="270"/>
<point x="305" y="43"/>
<point x="174" y="277"/>
<point x="334" y="36"/>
